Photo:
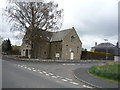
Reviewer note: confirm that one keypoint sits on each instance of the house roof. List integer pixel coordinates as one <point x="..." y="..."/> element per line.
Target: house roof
<point x="49" y="36"/>
<point x="108" y="46"/>
<point x="102" y="45"/>
<point x="58" y="36"/>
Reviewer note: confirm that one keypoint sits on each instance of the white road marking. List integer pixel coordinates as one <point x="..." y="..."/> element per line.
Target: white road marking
<point x="54" y="76"/>
<point x="69" y="64"/>
<point x="64" y="80"/>
<point x="40" y="72"/>
<point x="50" y="73"/>
<point x="21" y="66"/>
<point x="74" y="83"/>
<point x="18" y="65"/>
<point x="64" y="64"/>
<point x="58" y="76"/>
<point x="47" y="74"/>
<point x="68" y="79"/>
<point x="29" y="68"/>
<point x="44" y="72"/>
<point x="87" y="86"/>
<point x="34" y="70"/>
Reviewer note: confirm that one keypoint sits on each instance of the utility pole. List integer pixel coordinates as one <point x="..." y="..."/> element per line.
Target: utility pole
<point x="106" y="49"/>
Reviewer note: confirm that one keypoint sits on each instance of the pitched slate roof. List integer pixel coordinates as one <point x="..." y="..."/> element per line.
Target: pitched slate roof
<point x="58" y="36"/>
<point x="50" y="36"/>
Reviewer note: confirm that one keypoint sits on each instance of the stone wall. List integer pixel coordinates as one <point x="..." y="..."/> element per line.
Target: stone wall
<point x="56" y="50"/>
<point x="71" y="44"/>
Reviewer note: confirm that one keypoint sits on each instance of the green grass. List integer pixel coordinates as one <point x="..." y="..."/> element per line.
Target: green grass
<point x="108" y="72"/>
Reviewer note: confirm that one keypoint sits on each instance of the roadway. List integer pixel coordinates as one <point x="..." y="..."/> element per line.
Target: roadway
<point x="19" y="74"/>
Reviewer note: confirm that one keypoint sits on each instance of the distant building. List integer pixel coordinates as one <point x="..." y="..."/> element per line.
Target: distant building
<point x="52" y="45"/>
<point x="107" y="48"/>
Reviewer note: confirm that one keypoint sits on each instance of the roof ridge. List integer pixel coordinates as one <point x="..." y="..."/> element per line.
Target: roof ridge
<point x="65" y="30"/>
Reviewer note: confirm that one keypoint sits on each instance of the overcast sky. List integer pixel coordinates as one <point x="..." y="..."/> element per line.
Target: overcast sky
<point x="94" y="20"/>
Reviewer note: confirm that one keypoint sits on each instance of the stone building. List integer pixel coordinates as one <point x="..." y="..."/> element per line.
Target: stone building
<point x="63" y="44"/>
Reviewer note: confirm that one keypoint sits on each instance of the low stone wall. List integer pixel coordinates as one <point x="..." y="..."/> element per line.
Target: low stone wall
<point x="53" y="61"/>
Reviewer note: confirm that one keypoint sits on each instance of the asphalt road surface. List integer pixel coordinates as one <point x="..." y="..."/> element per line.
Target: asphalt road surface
<point x="19" y="74"/>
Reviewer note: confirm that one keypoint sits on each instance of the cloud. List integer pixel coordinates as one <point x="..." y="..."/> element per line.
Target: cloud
<point x="93" y="20"/>
<point x="91" y="16"/>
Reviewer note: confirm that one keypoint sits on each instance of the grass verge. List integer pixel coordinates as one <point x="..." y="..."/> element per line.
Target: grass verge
<point x="106" y="72"/>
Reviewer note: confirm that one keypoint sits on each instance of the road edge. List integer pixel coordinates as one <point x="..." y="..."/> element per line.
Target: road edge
<point x="85" y="82"/>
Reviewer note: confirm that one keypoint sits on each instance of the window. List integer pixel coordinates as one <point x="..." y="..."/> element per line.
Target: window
<point x="72" y="38"/>
<point x="45" y="53"/>
<point x="77" y="49"/>
<point x="66" y="48"/>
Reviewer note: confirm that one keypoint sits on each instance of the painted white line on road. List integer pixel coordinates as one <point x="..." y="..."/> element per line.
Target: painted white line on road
<point x="34" y="70"/>
<point x="68" y="64"/>
<point x="44" y="72"/>
<point x="68" y="79"/>
<point x="64" y="80"/>
<point x="74" y="83"/>
<point x="50" y="73"/>
<point x="87" y="86"/>
<point x="21" y="66"/>
<point x="18" y="65"/>
<point x="47" y="74"/>
<point x="40" y="72"/>
<point x="54" y="77"/>
<point x="29" y="68"/>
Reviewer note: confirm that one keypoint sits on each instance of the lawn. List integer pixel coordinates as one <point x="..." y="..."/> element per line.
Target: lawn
<point x="107" y="71"/>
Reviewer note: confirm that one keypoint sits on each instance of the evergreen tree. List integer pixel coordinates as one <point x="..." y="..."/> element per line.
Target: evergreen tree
<point x="6" y="46"/>
<point x="9" y="48"/>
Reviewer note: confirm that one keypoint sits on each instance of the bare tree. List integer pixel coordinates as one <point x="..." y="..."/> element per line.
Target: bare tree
<point x="41" y="15"/>
<point x="34" y="16"/>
